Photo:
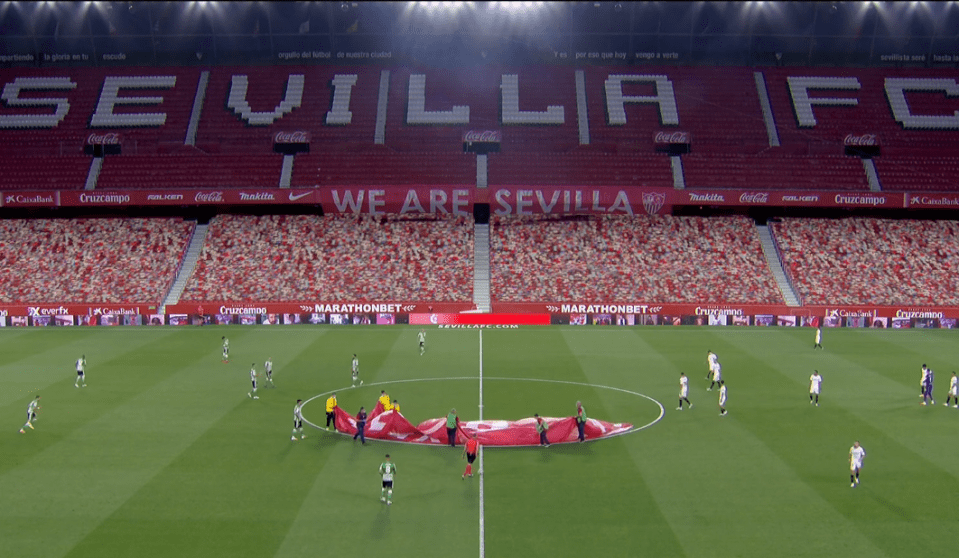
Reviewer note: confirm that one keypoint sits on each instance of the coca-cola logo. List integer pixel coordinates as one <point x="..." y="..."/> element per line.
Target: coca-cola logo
<point x="292" y="137"/>
<point x="754" y="197"/>
<point x="209" y="197"/>
<point x="110" y="138"/>
<point x="486" y="136"/>
<point x="864" y="139"/>
<point x="671" y="137"/>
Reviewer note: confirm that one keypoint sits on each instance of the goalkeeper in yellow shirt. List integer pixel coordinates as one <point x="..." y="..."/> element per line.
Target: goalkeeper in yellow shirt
<point x="385" y="401"/>
<point x="331" y="411"/>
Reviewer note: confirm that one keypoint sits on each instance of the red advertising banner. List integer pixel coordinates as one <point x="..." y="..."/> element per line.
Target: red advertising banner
<point x="123" y="198"/>
<point x="479" y="319"/>
<point x="678" y="309"/>
<point x="504" y="200"/>
<point x="237" y="308"/>
<point x="72" y="309"/>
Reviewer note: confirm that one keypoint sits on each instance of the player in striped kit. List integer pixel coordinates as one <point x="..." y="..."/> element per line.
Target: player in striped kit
<point x="268" y="365"/>
<point x="298" y="420"/>
<point x="387" y="469"/>
<point x="253" y="377"/>
<point x="32" y="410"/>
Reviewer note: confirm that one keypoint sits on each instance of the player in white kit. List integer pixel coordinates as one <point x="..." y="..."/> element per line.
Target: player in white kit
<point x="815" y="384"/>
<point x="422" y="339"/>
<point x="356" y="370"/>
<point x="32" y="410"/>
<point x="683" y="392"/>
<point x="953" y="391"/>
<point x="856" y="455"/>
<point x="722" y="398"/>
<point x="711" y="360"/>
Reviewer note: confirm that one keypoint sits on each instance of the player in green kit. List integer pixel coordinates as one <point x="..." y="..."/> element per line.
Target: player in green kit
<point x="387" y="469"/>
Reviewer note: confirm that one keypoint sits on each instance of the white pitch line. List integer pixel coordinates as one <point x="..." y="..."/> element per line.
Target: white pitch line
<point x="482" y="510"/>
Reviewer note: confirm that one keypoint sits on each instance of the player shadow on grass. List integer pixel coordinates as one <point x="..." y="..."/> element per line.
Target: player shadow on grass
<point x="380" y="526"/>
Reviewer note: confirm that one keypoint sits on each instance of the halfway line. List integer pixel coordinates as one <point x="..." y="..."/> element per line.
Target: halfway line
<point x="482" y="527"/>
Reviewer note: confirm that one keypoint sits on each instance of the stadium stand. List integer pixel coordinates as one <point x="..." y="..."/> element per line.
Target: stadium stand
<point x="618" y="258"/>
<point x="111" y="260"/>
<point x="774" y="172"/>
<point x="362" y="258"/>
<point x="872" y="261"/>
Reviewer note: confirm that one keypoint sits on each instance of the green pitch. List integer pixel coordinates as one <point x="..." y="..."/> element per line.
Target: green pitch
<point x="165" y="455"/>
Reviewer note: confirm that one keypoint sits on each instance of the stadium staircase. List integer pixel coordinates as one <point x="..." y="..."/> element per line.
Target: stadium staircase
<point x="187" y="265"/>
<point x="481" y="268"/>
<point x="773" y="258"/>
<point x="872" y="177"/>
<point x="94" y="174"/>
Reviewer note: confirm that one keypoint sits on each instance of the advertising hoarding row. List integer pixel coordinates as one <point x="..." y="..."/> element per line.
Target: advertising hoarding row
<point x="505" y="200"/>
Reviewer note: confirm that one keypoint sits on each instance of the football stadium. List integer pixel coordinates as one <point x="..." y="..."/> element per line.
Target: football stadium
<point x="495" y="279"/>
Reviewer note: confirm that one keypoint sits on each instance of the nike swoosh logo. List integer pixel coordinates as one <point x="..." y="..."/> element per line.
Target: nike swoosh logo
<point x="298" y="196"/>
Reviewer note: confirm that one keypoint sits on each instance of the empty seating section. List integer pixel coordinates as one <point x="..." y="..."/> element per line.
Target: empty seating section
<point x="872" y="261"/>
<point x="191" y="171"/>
<point x="50" y="113"/>
<point x="774" y="172"/>
<point x="309" y="258"/>
<point x="618" y="259"/>
<point x="718" y="106"/>
<point x="872" y="112"/>
<point x="66" y="113"/>
<point x="580" y="168"/>
<point x="230" y="130"/>
<point x="90" y="260"/>
<point x="383" y="168"/>
<point x="912" y="173"/>
<point x="31" y="172"/>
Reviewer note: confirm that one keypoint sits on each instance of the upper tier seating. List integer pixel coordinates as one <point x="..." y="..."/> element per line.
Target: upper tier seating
<point x="130" y="260"/>
<point x="357" y="258"/>
<point x="50" y="113"/>
<point x="619" y="259"/>
<point x="872" y="261"/>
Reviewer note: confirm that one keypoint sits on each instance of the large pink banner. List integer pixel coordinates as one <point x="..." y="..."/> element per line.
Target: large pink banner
<point x="393" y="426"/>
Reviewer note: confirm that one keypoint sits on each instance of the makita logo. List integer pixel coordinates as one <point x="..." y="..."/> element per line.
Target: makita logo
<point x="754" y="197"/>
<point x="111" y="138"/>
<point x="671" y="137"/>
<point x="292" y="137"/>
<point x="706" y="197"/>
<point x="488" y="136"/>
<point x="865" y="139"/>
<point x="258" y="196"/>
<point x="209" y="197"/>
